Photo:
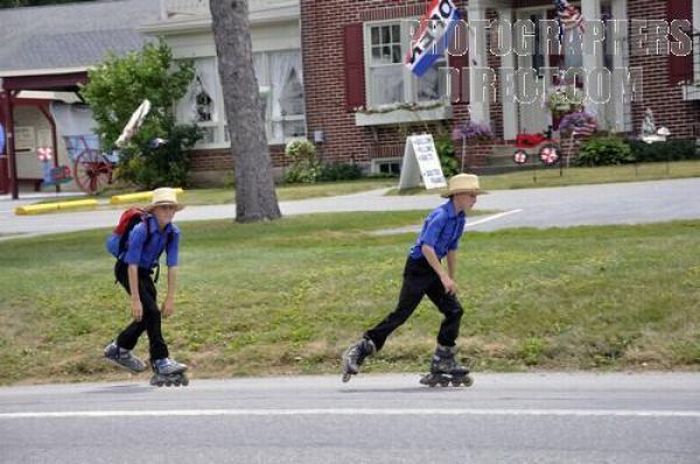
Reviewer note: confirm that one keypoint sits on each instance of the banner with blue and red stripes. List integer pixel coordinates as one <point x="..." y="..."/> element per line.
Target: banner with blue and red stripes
<point x="431" y="39"/>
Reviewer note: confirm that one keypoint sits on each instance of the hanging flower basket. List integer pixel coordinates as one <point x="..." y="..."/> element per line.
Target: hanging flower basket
<point x="562" y="101"/>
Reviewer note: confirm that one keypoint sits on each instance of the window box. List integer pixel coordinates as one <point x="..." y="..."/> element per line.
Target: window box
<point x="402" y="116"/>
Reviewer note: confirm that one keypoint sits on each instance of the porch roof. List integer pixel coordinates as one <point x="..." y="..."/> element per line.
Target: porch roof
<point x="56" y="82"/>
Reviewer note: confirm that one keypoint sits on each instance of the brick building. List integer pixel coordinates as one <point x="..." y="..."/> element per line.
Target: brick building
<point x="351" y="81"/>
<point x="332" y="71"/>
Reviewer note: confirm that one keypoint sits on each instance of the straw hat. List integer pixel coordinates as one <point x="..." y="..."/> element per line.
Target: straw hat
<point x="164" y="196"/>
<point x="462" y="183"/>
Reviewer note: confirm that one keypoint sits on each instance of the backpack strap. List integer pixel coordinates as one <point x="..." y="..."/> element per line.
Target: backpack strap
<point x="149" y="234"/>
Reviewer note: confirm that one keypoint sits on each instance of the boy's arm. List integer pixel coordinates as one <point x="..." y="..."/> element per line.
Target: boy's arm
<point x="445" y="278"/>
<point x="172" y="252"/>
<point x="136" y="306"/>
<point x="168" y="307"/>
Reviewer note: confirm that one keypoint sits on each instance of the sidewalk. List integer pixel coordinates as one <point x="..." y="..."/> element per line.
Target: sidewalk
<point x="624" y="203"/>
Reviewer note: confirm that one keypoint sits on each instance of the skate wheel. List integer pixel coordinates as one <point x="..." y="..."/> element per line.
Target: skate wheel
<point x="346" y="377"/>
<point x="176" y="383"/>
<point x="456" y="382"/>
<point x="185" y="381"/>
<point x="168" y="383"/>
<point x="468" y="381"/>
<point x="444" y="383"/>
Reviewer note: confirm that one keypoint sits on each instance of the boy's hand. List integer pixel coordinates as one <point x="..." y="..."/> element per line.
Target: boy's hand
<point x="168" y="307"/>
<point x="137" y="310"/>
<point x="449" y="284"/>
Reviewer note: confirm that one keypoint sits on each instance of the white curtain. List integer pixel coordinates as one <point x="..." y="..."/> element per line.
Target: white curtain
<point x="282" y="67"/>
<point x="386" y="85"/>
<point x="261" y="71"/>
<point x="206" y="80"/>
<point x="433" y="85"/>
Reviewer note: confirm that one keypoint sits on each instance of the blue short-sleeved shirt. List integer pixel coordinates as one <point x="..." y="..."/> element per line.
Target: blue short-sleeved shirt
<point x="442" y="230"/>
<point x="146" y="255"/>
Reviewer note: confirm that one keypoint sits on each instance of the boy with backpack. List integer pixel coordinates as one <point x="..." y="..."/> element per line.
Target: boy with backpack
<point x="137" y="243"/>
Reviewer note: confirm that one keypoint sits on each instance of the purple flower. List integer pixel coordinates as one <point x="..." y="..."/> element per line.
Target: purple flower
<point x="578" y="121"/>
<point x="471" y="130"/>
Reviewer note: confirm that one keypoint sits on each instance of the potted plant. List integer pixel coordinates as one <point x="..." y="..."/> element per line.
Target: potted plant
<point x="562" y="101"/>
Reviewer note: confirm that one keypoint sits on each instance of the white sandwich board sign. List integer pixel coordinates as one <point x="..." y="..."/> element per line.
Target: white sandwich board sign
<point x="421" y="161"/>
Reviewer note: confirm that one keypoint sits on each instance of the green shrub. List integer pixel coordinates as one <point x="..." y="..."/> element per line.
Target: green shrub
<point x="305" y="167"/>
<point x="671" y="150"/>
<point x="602" y="151"/>
<point x="340" y="171"/>
<point x="117" y="87"/>
<point x="167" y="164"/>
<point x="446" y="152"/>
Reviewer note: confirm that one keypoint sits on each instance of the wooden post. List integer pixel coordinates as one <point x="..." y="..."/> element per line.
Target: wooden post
<point x="6" y="101"/>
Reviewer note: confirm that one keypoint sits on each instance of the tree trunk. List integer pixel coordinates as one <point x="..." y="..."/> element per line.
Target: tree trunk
<point x="256" y="199"/>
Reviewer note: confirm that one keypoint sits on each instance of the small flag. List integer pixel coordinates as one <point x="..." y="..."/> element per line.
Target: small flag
<point x="586" y="129"/>
<point x="433" y="35"/>
<point x="569" y="16"/>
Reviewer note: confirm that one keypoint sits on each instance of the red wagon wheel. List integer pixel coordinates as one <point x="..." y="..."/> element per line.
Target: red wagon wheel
<point x="92" y="171"/>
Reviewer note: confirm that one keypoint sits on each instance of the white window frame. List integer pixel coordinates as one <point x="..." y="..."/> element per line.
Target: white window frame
<point x="410" y="88"/>
<point x="377" y="162"/>
<point x="220" y="126"/>
<point x="269" y="120"/>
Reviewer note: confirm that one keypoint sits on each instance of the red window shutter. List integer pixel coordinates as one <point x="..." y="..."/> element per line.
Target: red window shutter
<point x="353" y="48"/>
<point x="460" y="92"/>
<point x="680" y="68"/>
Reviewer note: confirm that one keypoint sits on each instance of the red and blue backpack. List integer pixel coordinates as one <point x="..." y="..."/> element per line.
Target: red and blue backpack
<point x="118" y="240"/>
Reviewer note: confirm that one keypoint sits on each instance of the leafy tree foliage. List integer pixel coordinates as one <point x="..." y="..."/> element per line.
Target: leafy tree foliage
<point x="117" y="87"/>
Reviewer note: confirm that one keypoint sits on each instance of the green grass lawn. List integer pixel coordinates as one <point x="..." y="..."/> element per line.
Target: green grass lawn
<point x="288" y="296"/>
<point x="550" y="177"/>
<point x="291" y="192"/>
<point x="218" y="196"/>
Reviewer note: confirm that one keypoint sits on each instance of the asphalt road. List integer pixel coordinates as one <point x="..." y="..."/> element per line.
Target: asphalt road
<point x="535" y="418"/>
<point x="625" y="203"/>
<point x="503" y="418"/>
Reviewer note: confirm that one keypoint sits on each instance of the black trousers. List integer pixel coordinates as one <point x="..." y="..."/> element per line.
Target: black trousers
<point x="151" y="320"/>
<point x="420" y="279"/>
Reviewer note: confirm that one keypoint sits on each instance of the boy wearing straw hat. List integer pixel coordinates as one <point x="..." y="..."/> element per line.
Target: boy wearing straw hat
<point x="425" y="274"/>
<point x="134" y="269"/>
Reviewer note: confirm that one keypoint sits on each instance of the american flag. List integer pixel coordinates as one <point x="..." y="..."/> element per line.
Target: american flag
<point x="568" y="15"/>
<point x="585" y="129"/>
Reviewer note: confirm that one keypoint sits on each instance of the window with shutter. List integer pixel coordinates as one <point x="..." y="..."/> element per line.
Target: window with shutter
<point x="389" y="81"/>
